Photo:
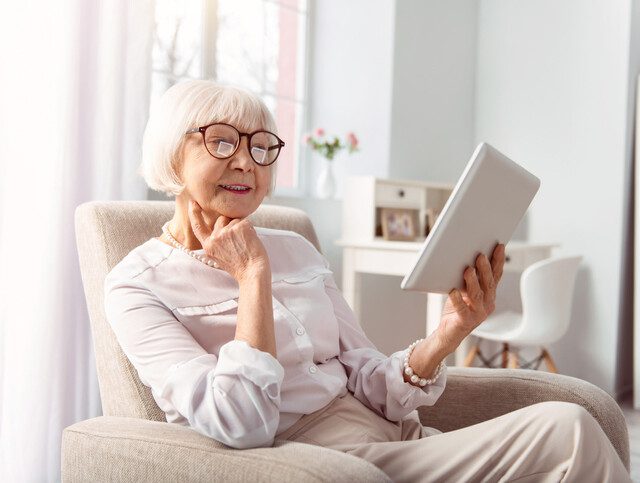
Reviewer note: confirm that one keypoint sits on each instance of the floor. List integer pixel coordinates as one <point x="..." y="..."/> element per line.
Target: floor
<point x="633" y="422"/>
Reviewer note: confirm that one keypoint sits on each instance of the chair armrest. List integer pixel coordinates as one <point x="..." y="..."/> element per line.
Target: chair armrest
<point x="475" y="394"/>
<point x="110" y="448"/>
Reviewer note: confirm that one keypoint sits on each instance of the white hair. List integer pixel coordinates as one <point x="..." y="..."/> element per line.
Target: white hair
<point x="187" y="105"/>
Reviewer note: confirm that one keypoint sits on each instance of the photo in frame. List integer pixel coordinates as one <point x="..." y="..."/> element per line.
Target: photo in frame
<point x="399" y="224"/>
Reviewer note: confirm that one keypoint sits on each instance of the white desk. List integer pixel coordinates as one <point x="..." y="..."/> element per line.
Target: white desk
<point x="385" y="257"/>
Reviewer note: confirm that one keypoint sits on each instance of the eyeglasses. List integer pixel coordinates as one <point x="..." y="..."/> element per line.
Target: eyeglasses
<point x="222" y="141"/>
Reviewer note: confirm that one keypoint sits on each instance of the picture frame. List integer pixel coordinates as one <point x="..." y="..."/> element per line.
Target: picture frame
<point x="399" y="224"/>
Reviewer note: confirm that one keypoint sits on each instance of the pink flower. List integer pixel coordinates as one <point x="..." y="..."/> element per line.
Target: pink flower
<point x="306" y="139"/>
<point x="319" y="132"/>
<point x="352" y="139"/>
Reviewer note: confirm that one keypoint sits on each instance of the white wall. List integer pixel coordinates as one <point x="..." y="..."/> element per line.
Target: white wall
<point x="351" y="82"/>
<point x="551" y="92"/>
<point x="401" y="74"/>
<point x="434" y="60"/>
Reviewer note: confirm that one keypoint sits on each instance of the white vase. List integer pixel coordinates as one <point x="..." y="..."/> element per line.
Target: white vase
<point x="326" y="187"/>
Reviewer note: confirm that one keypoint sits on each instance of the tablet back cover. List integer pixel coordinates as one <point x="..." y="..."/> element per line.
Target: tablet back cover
<point x="485" y="207"/>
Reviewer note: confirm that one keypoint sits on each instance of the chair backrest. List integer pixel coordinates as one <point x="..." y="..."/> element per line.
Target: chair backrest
<point x="106" y="231"/>
<point x="546" y="289"/>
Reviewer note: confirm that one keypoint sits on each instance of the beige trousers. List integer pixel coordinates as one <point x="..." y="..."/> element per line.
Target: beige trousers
<point x="546" y="442"/>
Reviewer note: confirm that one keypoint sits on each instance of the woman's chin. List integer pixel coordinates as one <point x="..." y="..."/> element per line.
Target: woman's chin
<point x="234" y="213"/>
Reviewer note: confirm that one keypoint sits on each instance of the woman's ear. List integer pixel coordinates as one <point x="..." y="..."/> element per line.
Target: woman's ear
<point x="179" y="166"/>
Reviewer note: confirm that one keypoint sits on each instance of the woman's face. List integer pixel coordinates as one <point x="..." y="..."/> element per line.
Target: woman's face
<point x="203" y="176"/>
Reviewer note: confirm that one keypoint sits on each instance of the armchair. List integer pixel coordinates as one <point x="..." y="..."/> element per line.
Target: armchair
<point x="133" y="442"/>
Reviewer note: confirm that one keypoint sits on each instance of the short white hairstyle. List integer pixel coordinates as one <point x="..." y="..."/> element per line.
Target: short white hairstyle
<point x="187" y="105"/>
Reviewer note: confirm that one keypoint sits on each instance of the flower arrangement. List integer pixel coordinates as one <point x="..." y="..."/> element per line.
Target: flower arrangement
<point x="329" y="148"/>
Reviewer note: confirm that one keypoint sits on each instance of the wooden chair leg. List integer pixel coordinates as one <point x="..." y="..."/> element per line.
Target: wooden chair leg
<point x="514" y="362"/>
<point x="549" y="361"/>
<point x="473" y="352"/>
<point x="505" y="354"/>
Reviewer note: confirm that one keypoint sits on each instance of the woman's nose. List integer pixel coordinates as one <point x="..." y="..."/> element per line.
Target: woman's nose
<point x="242" y="158"/>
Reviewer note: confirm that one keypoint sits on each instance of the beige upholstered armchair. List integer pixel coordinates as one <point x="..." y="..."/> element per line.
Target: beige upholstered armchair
<point x="133" y="441"/>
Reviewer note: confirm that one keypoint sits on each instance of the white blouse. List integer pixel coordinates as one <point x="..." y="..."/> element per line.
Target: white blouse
<point x="175" y="318"/>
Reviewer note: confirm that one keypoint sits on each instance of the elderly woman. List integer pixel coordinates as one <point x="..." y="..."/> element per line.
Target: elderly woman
<point x="242" y="334"/>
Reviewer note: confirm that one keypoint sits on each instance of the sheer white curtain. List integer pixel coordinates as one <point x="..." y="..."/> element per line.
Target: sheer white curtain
<point x="74" y="93"/>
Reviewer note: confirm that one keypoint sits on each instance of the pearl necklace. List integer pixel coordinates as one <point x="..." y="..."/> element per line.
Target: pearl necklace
<point x="206" y="260"/>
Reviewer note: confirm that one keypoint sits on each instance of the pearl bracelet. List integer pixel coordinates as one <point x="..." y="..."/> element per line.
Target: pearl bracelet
<point x="415" y="379"/>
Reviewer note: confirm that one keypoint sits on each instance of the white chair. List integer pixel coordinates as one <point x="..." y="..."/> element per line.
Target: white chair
<point x="546" y="290"/>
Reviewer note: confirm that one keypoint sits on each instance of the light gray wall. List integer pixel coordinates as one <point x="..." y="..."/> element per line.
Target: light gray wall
<point x="432" y="116"/>
<point x="351" y="82"/>
<point x="552" y="80"/>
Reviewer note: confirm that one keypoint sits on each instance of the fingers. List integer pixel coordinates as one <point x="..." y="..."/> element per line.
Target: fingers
<point x="221" y="222"/>
<point x="487" y="282"/>
<point x="497" y="262"/>
<point x="475" y="293"/>
<point x="198" y="225"/>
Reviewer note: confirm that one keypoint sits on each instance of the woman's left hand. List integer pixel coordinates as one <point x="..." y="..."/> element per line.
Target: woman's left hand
<point x="465" y="310"/>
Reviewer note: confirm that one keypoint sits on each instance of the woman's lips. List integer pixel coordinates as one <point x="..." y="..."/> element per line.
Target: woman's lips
<point x="237" y="192"/>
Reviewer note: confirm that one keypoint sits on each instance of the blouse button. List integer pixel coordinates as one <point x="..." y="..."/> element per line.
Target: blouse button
<point x="313" y="369"/>
<point x="299" y="331"/>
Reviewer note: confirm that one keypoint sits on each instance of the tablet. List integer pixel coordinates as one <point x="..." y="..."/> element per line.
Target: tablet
<point x="484" y="209"/>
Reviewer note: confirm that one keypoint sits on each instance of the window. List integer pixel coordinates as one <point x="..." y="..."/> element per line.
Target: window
<point x="257" y="44"/>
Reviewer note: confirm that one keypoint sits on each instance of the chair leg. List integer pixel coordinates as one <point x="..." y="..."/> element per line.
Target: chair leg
<point x="505" y="354"/>
<point x="549" y="361"/>
<point x="514" y="362"/>
<point x="473" y="352"/>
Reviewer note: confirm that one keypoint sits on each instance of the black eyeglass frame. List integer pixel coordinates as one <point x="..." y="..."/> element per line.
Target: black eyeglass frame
<point x="202" y="130"/>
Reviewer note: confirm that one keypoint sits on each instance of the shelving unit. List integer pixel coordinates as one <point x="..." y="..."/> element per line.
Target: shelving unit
<point x="365" y="196"/>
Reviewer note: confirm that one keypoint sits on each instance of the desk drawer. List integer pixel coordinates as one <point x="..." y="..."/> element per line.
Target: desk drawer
<point x="392" y="195"/>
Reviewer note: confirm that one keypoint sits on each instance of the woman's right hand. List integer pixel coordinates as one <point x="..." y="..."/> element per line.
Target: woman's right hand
<point x="232" y="243"/>
<point x="467" y="309"/>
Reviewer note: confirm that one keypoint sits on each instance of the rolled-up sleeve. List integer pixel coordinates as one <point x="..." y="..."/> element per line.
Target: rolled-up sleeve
<point x="376" y="379"/>
<point x="233" y="397"/>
